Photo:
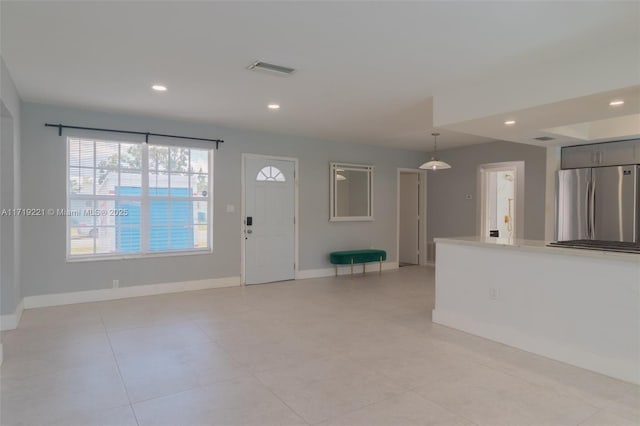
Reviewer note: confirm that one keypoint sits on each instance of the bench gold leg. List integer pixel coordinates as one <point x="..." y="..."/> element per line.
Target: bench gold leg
<point x="336" y="270"/>
<point x="363" y="268"/>
<point x="351" y="266"/>
<point x="380" y="272"/>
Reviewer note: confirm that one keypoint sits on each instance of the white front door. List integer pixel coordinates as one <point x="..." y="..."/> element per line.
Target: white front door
<point x="269" y="222"/>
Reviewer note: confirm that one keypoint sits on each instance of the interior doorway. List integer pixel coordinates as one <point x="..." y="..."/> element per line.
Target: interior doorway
<point x="411" y="227"/>
<point x="502" y="201"/>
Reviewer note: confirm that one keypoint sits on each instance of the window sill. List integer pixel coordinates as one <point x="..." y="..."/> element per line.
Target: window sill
<point x="99" y="258"/>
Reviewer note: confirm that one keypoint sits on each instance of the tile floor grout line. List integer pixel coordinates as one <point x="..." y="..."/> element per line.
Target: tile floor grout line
<point x="220" y="345"/>
<point x="591" y="416"/>
<point x="442" y="406"/>
<point x="237" y="364"/>
<point x="540" y="387"/>
<point x="404" y="390"/>
<point x="115" y="359"/>
<point x="278" y="398"/>
<point x="360" y="408"/>
<point x="295" y="364"/>
<point x="200" y="386"/>
<point x="119" y="330"/>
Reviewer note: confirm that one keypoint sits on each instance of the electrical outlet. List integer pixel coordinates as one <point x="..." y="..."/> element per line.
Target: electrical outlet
<point x="116" y="283"/>
<point x="493" y="293"/>
<point x="468" y="197"/>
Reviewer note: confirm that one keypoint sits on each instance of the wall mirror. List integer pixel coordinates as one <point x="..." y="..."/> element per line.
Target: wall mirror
<point x="351" y="192"/>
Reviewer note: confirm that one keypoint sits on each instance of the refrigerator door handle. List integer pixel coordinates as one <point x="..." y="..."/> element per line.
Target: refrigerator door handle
<point x="588" y="212"/>
<point x="592" y="210"/>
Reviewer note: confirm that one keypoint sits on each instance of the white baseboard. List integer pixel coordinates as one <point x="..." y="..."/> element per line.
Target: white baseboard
<point x="44" y="300"/>
<point x="10" y="321"/>
<point x="617" y="368"/>
<point x="344" y="270"/>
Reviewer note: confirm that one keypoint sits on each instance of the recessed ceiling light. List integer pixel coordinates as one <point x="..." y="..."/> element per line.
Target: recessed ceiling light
<point x="617" y="102"/>
<point x="273" y="106"/>
<point x="159" y="88"/>
<point x="510" y="122"/>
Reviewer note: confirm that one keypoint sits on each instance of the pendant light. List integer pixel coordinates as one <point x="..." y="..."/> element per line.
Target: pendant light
<point x="435" y="163"/>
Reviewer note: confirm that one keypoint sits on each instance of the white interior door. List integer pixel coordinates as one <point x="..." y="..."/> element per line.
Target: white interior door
<point x="409" y="218"/>
<point x="269" y="225"/>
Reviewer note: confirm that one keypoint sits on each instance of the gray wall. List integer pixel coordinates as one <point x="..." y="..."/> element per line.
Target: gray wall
<point x="450" y="214"/>
<point x="43" y="172"/>
<point x="10" y="292"/>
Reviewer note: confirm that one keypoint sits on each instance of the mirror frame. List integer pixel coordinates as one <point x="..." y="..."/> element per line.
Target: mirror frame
<point x="333" y="169"/>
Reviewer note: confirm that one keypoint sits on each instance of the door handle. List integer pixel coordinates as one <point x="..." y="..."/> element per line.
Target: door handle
<point x="249" y="231"/>
<point x="592" y="210"/>
<point x="588" y="210"/>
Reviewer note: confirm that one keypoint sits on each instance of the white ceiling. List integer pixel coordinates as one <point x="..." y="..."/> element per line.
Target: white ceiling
<point x="576" y="121"/>
<point x="366" y="72"/>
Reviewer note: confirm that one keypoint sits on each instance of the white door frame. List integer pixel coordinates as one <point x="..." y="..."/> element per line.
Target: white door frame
<point x="243" y="214"/>
<point x="422" y="238"/>
<point x="483" y="172"/>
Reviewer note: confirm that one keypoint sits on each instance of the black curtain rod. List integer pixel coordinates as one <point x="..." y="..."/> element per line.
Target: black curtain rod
<point x="131" y="132"/>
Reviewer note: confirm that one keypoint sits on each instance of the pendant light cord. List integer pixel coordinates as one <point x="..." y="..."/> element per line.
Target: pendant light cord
<point x="435" y="143"/>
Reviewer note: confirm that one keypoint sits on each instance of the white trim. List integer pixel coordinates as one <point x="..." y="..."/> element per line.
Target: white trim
<point x="126" y="292"/>
<point x="353" y="219"/>
<point x="422" y="238"/>
<point x="344" y="270"/>
<point x="98" y="258"/>
<point x="144" y="199"/>
<point x="333" y="183"/>
<point x="11" y="321"/>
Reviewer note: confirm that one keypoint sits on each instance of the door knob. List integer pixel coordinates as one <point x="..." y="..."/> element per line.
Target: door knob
<point x="249" y="231"/>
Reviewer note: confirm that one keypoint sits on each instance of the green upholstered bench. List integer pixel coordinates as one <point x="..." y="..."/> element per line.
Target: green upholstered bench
<point x="351" y="257"/>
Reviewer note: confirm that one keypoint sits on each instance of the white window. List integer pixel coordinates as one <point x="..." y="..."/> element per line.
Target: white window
<point x="136" y="199"/>
<point x="270" y="174"/>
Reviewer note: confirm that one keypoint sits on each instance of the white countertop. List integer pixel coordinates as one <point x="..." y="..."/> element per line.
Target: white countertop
<point x="538" y="246"/>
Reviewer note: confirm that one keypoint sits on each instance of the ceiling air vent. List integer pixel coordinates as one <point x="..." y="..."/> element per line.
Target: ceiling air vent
<point x="264" y="66"/>
<point x="544" y="138"/>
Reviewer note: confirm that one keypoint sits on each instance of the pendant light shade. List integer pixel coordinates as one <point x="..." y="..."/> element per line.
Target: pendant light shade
<point x="435" y="163"/>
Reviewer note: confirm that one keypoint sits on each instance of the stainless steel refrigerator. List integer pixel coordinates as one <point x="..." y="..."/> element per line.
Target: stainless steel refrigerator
<point x="599" y="203"/>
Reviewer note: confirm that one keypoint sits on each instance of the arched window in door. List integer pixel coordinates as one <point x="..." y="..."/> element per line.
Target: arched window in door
<point x="270" y="174"/>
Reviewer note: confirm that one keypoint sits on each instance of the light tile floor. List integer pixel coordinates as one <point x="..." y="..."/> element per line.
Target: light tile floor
<point x="331" y="351"/>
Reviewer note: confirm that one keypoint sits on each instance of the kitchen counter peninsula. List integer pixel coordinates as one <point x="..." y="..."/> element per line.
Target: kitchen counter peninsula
<point x="577" y="306"/>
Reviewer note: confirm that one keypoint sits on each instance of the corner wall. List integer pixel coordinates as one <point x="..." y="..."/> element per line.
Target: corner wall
<point x="10" y="291"/>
